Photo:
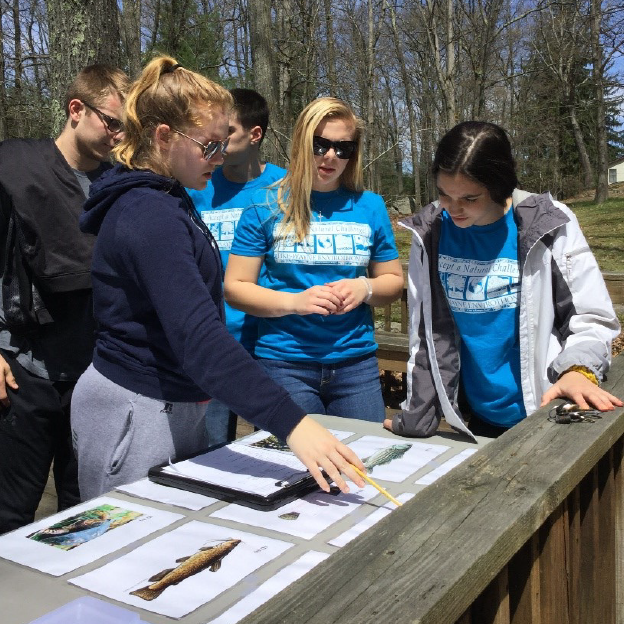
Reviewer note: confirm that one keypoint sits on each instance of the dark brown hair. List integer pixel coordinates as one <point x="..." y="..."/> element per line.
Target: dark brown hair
<point x="481" y="151"/>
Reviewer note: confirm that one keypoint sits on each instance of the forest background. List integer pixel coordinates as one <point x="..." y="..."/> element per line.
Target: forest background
<point x="551" y="73"/>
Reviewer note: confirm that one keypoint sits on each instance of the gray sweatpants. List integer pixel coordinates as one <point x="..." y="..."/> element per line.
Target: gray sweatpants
<point x="119" y="435"/>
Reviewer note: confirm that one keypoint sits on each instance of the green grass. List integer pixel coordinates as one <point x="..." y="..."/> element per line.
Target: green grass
<point x="603" y="226"/>
<point x="403" y="239"/>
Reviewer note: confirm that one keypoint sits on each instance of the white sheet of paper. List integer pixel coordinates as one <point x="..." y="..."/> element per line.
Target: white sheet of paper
<point x="394" y="459"/>
<point x="442" y="469"/>
<point x="100" y="527"/>
<point x="260" y="436"/>
<point x="369" y="521"/>
<point x="144" y="488"/>
<point x="257" y="463"/>
<point x="305" y="517"/>
<point x="243" y="468"/>
<point x="271" y="588"/>
<point x="133" y="571"/>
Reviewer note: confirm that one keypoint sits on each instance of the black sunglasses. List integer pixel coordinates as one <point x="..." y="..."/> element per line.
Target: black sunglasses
<point x="342" y="149"/>
<point x="210" y="148"/>
<point x="113" y="125"/>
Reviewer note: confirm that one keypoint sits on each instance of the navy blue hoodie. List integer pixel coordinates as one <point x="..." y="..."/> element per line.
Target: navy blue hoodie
<point x="158" y="303"/>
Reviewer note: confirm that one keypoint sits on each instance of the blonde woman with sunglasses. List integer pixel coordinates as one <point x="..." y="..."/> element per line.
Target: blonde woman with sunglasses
<point x="329" y="253"/>
<point x="162" y="348"/>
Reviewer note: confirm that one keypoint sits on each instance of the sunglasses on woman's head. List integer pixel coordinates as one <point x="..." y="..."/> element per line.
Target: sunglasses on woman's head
<point x="342" y="149"/>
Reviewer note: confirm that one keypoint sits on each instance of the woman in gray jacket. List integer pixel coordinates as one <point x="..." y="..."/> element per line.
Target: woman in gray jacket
<point x="508" y="308"/>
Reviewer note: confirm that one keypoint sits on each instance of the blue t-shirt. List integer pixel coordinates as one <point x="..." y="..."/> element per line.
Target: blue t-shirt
<point x="478" y="267"/>
<point x="220" y="205"/>
<point x="347" y="232"/>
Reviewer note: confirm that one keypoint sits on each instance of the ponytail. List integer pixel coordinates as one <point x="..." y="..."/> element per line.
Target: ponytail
<point x="165" y="93"/>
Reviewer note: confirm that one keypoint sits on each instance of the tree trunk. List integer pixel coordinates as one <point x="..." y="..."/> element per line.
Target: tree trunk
<point x="239" y="61"/>
<point x="263" y="63"/>
<point x="331" y="52"/>
<point x="18" y="96"/>
<point x="392" y="130"/>
<point x="284" y="114"/>
<point x="602" y="183"/>
<point x="429" y="141"/>
<point x="4" y="125"/>
<point x="411" y="109"/>
<point x="451" y="117"/>
<point x="82" y="32"/>
<point x="368" y="97"/>
<point x="588" y="173"/>
<point x="130" y="25"/>
<point x="445" y="71"/>
<point x="155" y="25"/>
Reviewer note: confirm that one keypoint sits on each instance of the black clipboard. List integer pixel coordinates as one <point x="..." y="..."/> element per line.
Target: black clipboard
<point x="288" y="491"/>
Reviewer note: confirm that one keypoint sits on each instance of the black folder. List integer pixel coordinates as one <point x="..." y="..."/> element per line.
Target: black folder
<point x="290" y="484"/>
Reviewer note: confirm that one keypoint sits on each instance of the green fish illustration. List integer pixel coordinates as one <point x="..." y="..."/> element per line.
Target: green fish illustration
<point x="386" y="455"/>
<point x="291" y="515"/>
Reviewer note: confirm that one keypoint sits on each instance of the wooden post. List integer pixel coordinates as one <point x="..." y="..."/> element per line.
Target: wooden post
<point x="553" y="577"/>
<point x="619" y="530"/>
<point x="524" y="584"/>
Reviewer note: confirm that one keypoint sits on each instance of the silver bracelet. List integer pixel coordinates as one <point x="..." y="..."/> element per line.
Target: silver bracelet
<point x="369" y="288"/>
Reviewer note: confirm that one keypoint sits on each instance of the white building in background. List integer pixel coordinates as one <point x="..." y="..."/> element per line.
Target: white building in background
<point x="616" y="171"/>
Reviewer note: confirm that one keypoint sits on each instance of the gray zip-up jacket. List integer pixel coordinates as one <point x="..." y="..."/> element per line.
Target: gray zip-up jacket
<point x="566" y="315"/>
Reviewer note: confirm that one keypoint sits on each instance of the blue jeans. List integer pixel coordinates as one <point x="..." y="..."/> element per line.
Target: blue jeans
<point x="350" y="389"/>
<point x="220" y="423"/>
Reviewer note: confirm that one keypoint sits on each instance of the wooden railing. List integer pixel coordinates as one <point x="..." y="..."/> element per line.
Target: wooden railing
<point x="527" y="531"/>
<point x="392" y="336"/>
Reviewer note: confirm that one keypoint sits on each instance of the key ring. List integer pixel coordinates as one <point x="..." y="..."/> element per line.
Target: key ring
<point x="567" y="413"/>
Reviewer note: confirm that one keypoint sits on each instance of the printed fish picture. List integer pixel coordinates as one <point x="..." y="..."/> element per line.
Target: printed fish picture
<point x="206" y="557"/>
<point x="84" y="527"/>
<point x="290" y="515"/>
<point x="385" y="456"/>
<point x="273" y="443"/>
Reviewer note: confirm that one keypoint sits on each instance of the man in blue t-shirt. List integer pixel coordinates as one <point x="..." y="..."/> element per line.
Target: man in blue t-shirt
<point x="221" y="204"/>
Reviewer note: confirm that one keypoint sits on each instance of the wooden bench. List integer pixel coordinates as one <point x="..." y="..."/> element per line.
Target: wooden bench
<point x="615" y="286"/>
<point x="392" y="347"/>
<point x="393" y="340"/>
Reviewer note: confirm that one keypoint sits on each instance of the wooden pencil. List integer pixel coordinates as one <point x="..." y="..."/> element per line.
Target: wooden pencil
<point x="376" y="486"/>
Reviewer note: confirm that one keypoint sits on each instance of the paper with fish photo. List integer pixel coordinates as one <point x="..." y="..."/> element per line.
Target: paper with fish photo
<point x="82" y="534"/>
<point x="392" y="459"/>
<point x="273" y="586"/>
<point x="305" y="517"/>
<point x="267" y="441"/>
<point x="144" y="488"/>
<point x="84" y="526"/>
<point x="183" y="569"/>
<point x="370" y="520"/>
<point x="243" y="468"/>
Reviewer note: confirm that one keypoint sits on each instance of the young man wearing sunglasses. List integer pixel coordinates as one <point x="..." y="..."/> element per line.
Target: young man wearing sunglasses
<point x="221" y="204"/>
<point x="46" y="322"/>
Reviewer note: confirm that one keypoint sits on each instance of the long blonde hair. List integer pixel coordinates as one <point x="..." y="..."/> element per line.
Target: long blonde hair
<point x="165" y="93"/>
<point x="293" y="194"/>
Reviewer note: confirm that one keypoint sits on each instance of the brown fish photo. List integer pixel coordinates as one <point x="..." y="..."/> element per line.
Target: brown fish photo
<point x="206" y="557"/>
